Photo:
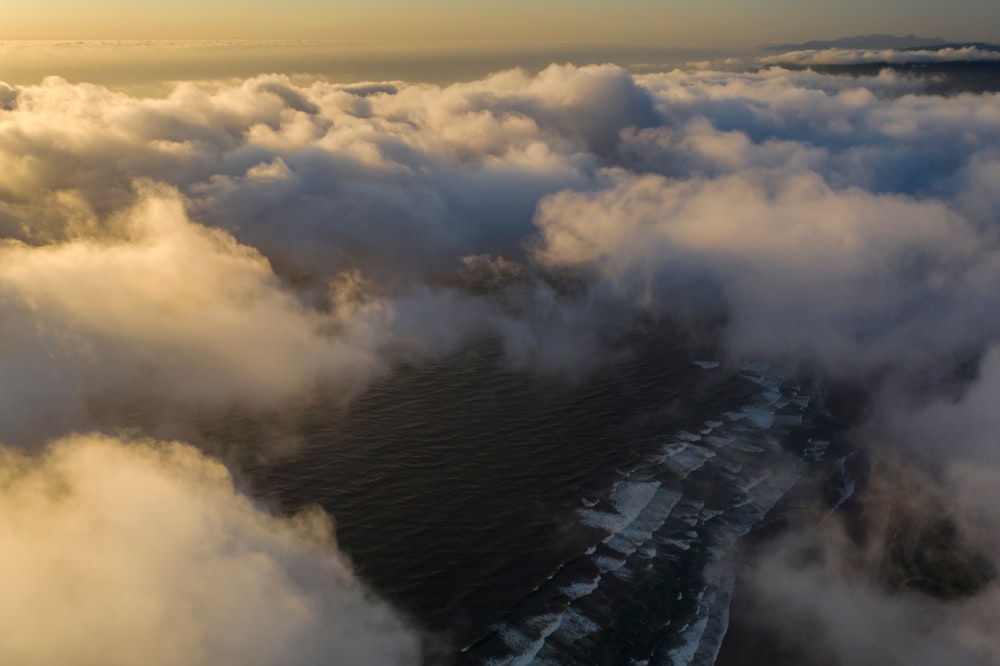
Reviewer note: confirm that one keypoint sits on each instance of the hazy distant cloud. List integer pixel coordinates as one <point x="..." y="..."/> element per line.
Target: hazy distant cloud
<point x="836" y="56"/>
<point x="143" y="553"/>
<point x="875" y="136"/>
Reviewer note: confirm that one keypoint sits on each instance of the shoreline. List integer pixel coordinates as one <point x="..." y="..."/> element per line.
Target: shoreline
<point x="751" y="639"/>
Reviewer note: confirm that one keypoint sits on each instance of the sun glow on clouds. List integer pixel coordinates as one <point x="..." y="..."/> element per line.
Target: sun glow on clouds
<point x="143" y="553"/>
<point x="248" y="243"/>
<point x="860" y="56"/>
<point x="168" y="307"/>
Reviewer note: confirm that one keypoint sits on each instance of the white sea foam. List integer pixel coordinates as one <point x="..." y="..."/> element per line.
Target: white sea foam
<point x="649" y="520"/>
<point x="575" y="625"/>
<point x="680" y="544"/>
<point x="714" y="605"/>
<point x="581" y="589"/>
<point x="749" y="483"/>
<point x="848" y="488"/>
<point x="688" y="460"/>
<point x="816" y="450"/>
<point x="524" y="647"/>
<point x="718" y="441"/>
<point x="801" y="401"/>
<point x="629" y="498"/>
<point x="608" y="564"/>
<point x="684" y="654"/>
<point x="733" y="467"/>
<point x="763" y="375"/>
<point x="760" y="416"/>
<point x="708" y="514"/>
<point x="742" y="445"/>
<point x="634" y="512"/>
<point x="772" y="396"/>
<point x="668" y="449"/>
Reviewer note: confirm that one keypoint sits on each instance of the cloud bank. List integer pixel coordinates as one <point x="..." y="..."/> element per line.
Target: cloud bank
<point x="165" y="307"/>
<point x="837" y="56"/>
<point x="253" y="243"/>
<point x="143" y="552"/>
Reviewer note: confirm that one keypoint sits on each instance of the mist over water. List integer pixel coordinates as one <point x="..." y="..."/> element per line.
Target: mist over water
<point x="540" y="347"/>
<point x="153" y="67"/>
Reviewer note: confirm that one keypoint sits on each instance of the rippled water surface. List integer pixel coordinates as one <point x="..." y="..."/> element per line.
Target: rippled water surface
<point x="527" y="517"/>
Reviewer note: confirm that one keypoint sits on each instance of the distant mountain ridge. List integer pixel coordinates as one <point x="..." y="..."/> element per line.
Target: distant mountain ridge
<point x="875" y="41"/>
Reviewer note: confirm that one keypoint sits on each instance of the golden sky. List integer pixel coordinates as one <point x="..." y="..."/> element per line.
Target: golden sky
<point x="681" y="23"/>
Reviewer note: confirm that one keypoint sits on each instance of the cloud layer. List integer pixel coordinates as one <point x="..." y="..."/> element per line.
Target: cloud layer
<point x="164" y="307"/>
<point x="252" y="243"/>
<point x="143" y="552"/>
<point x="837" y="56"/>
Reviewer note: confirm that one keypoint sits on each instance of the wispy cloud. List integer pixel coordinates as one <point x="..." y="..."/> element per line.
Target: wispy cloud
<point x="836" y="56"/>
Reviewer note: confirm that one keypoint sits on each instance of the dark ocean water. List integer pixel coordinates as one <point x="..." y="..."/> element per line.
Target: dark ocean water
<point x="522" y="518"/>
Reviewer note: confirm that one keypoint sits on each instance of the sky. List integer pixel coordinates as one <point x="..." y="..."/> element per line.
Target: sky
<point x="677" y="23"/>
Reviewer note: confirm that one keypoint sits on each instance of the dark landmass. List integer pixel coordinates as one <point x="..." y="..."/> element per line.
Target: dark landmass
<point x="875" y="41"/>
<point x="752" y="639"/>
<point x="923" y="551"/>
<point x="751" y="642"/>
